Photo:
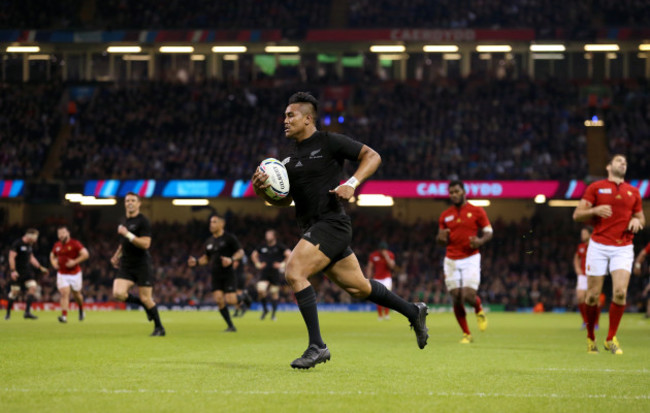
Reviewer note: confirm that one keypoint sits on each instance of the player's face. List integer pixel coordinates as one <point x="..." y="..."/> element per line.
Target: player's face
<point x="32" y="238"/>
<point x="63" y="234"/>
<point x="618" y="166"/>
<point x="584" y="235"/>
<point x="270" y="237"/>
<point x="131" y="204"/>
<point x="295" y="121"/>
<point x="456" y="195"/>
<point x="216" y="224"/>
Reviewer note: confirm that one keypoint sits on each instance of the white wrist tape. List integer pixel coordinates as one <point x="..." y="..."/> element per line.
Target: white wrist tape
<point x="130" y="236"/>
<point x="353" y="182"/>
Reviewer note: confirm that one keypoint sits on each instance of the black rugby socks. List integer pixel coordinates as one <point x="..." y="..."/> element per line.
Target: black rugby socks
<point x="226" y="315"/>
<point x="380" y="295"/>
<point x="28" y="304"/>
<point x="153" y="315"/>
<point x="307" y="305"/>
<point x="132" y="299"/>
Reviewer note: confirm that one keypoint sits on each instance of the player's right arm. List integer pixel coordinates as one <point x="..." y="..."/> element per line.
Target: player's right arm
<point x="638" y="261"/>
<point x="115" y="259"/>
<point x="12" y="264"/>
<point x="193" y="261"/>
<point x="576" y="264"/>
<point x="54" y="261"/>
<point x="259" y="178"/>
<point x="586" y="211"/>
<point x="255" y="257"/>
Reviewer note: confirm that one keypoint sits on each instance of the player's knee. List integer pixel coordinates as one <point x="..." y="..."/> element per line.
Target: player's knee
<point x="619" y="295"/>
<point x="293" y="276"/>
<point x="120" y="295"/>
<point x="591" y="299"/>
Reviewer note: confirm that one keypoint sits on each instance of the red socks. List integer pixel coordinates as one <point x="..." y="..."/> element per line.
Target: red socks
<point x="592" y="316"/>
<point x="478" y="307"/>
<point x="615" y="314"/>
<point x="459" y="312"/>
<point x="583" y="311"/>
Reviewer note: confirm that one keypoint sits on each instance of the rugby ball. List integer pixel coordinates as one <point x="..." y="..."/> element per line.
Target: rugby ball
<point x="278" y="178"/>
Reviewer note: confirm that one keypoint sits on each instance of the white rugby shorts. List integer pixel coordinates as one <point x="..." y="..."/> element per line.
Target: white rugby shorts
<point x="387" y="282"/>
<point x="603" y="259"/>
<point x="464" y="272"/>
<point x="582" y="283"/>
<point x="74" y="281"/>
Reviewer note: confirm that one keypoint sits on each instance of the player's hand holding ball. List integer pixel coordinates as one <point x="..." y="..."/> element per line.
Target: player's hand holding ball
<point x="272" y="177"/>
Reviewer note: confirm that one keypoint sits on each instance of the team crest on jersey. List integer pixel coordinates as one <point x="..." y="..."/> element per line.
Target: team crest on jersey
<point x="605" y="191"/>
<point x="629" y="193"/>
<point x="286" y="160"/>
<point x="449" y="218"/>
<point x="619" y="197"/>
<point x="469" y="215"/>
<point x="209" y="246"/>
<point x="264" y="250"/>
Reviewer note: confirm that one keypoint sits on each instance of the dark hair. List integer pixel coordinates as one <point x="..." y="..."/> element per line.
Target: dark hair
<point x="215" y="214"/>
<point x="457" y="182"/>
<point x="305" y="97"/>
<point x="61" y="227"/>
<point x="31" y="231"/>
<point x="132" y="193"/>
<point x="611" y="158"/>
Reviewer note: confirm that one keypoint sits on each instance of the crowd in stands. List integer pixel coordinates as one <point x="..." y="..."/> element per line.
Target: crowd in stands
<point x="29" y="121"/>
<point x="577" y="17"/>
<point x="527" y="262"/>
<point x="471" y="128"/>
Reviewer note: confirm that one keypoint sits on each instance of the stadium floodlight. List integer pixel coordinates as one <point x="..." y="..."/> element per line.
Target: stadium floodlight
<point x="645" y="47"/>
<point x="540" y="199"/>
<point x="190" y="202"/>
<point x="23" y="49"/>
<point x="39" y="57"/>
<point x="124" y="49"/>
<point x="494" y="48"/>
<point x="452" y="56"/>
<point x="229" y="49"/>
<point x="73" y="197"/>
<point x="548" y="56"/>
<point x="91" y="200"/>
<point x="563" y="203"/>
<point x="137" y="57"/>
<point x="547" y="48"/>
<point x="440" y="48"/>
<point x="387" y="48"/>
<point x="375" y="200"/>
<point x="479" y="202"/>
<point x="197" y="57"/>
<point x="282" y="49"/>
<point x="602" y="48"/>
<point x="176" y="49"/>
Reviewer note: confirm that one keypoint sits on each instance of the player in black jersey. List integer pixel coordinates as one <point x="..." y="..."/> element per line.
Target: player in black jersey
<point x="314" y="167"/>
<point x="270" y="258"/>
<point x="221" y="250"/>
<point x="21" y="264"/>
<point x="133" y="261"/>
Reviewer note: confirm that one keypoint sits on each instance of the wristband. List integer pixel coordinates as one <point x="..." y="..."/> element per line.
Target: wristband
<point x="352" y="182"/>
<point x="130" y="236"/>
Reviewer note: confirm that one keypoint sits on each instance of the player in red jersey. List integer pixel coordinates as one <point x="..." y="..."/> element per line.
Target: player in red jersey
<point x="66" y="255"/>
<point x="380" y="267"/>
<point x="615" y="208"/>
<point x="579" y="259"/>
<point x="637" y="271"/>
<point x="460" y="225"/>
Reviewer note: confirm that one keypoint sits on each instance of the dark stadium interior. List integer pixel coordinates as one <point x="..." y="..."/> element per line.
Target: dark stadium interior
<point x="428" y="119"/>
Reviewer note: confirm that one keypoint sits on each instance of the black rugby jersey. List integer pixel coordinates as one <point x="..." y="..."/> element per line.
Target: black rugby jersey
<point x="314" y="167"/>
<point x="24" y="253"/>
<point x="269" y="255"/>
<point x="225" y="245"/>
<point x="133" y="256"/>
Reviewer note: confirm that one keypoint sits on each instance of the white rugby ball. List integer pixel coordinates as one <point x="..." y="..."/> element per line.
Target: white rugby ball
<point x="278" y="178"/>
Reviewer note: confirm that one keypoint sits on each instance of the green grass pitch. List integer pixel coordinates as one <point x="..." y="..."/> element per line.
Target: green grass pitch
<point x="522" y="363"/>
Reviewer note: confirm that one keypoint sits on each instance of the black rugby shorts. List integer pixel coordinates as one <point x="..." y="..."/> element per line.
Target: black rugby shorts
<point x="333" y="237"/>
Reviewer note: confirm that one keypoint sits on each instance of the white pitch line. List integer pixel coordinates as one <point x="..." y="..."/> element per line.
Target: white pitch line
<point x="643" y="371"/>
<point x="333" y="393"/>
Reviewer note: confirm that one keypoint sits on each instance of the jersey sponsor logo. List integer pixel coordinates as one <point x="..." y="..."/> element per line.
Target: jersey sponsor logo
<point x="307" y="234"/>
<point x="23" y="248"/>
<point x="375" y="258"/>
<point x="605" y="191"/>
<point x="264" y="250"/>
<point x="298" y="164"/>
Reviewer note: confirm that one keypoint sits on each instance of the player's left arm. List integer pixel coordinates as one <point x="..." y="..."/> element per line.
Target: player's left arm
<point x="36" y="264"/>
<point x="390" y="262"/>
<point x="486" y="231"/>
<point x="369" y="161"/>
<point x="637" y="222"/>
<point x="228" y="261"/>
<point x="83" y="256"/>
<point x="638" y="262"/>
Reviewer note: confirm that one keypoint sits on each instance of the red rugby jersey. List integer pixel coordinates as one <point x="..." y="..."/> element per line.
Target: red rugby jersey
<point x="381" y="266"/>
<point x="647" y="248"/>
<point x="462" y="223"/>
<point x="65" y="252"/>
<point x="624" y="199"/>
<point x="581" y="251"/>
